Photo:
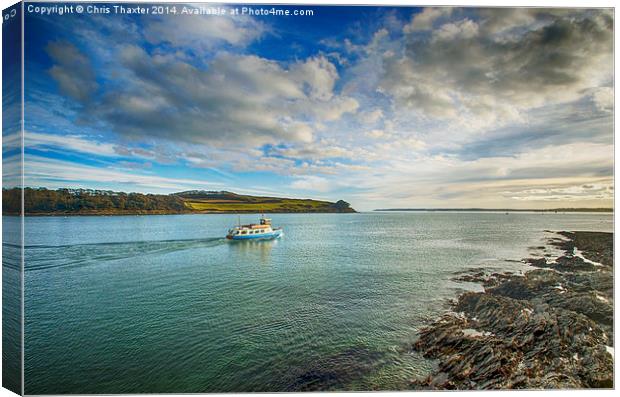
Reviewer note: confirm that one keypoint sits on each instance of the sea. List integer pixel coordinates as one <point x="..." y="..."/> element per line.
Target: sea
<point x="165" y="304"/>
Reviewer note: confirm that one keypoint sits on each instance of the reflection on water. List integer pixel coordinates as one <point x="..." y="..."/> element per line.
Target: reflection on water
<point x="253" y="250"/>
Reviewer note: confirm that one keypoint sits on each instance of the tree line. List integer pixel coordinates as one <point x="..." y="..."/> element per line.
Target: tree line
<point x="41" y="200"/>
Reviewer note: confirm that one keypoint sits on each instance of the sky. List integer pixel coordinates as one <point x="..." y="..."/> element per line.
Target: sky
<point x="383" y="107"/>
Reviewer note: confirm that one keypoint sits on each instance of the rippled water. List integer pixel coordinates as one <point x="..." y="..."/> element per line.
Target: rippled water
<point x="165" y="304"/>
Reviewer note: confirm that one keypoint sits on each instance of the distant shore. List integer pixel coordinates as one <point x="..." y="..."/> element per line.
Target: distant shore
<point x="550" y="328"/>
<point x="88" y="202"/>
<point x="607" y="210"/>
<point x="145" y="213"/>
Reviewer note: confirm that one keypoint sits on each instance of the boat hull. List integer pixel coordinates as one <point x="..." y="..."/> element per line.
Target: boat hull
<point x="263" y="236"/>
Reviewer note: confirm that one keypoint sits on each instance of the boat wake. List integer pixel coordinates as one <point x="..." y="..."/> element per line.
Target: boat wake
<point x="40" y="257"/>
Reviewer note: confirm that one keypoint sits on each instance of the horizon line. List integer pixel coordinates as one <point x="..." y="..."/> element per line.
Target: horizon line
<point x="575" y="209"/>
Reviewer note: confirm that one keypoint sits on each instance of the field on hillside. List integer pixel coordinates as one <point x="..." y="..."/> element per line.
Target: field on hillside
<point x="42" y="201"/>
<point x="283" y="205"/>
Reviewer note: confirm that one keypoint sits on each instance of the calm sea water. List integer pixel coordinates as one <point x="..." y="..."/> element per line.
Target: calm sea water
<point x="165" y="304"/>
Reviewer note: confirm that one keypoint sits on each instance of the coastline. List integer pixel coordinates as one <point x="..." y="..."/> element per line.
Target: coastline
<point x="137" y="213"/>
<point x="549" y="328"/>
<point x="242" y="212"/>
<point x="507" y="210"/>
<point x="88" y="202"/>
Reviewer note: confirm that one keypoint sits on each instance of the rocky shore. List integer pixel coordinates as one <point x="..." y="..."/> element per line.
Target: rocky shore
<point x="549" y="328"/>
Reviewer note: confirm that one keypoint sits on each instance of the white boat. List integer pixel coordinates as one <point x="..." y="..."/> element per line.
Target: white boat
<point x="253" y="231"/>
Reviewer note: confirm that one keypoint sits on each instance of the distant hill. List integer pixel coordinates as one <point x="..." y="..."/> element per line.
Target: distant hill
<point x="41" y="201"/>
<point x="223" y="201"/>
<point x="497" y="210"/>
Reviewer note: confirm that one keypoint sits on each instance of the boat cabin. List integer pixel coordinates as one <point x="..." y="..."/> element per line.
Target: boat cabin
<point x="253" y="230"/>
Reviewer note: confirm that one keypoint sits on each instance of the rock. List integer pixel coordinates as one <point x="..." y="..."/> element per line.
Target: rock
<point x="545" y="330"/>
<point x="481" y="277"/>
<point x="566" y="263"/>
<point x="572" y="264"/>
<point x="537" y="262"/>
<point x="601" y="282"/>
<point x="596" y="246"/>
<point x="586" y="303"/>
<point x="533" y="284"/>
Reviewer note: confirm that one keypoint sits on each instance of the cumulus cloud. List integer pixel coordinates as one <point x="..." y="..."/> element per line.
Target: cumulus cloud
<point x="203" y="33"/>
<point x="236" y="99"/>
<point x="371" y="117"/>
<point x="455" y="107"/>
<point x="376" y="133"/>
<point x="311" y="183"/>
<point x="72" y="70"/>
<point x="333" y="110"/>
<point x="318" y="75"/>
<point x="603" y="98"/>
<point x="462" y="30"/>
<point x="457" y="70"/>
<point x="425" y="19"/>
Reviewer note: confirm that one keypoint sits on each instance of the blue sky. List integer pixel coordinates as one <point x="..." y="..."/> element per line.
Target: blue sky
<point x="381" y="107"/>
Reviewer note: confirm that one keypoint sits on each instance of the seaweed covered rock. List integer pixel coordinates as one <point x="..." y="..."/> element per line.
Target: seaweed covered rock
<point x="500" y="342"/>
<point x="548" y="329"/>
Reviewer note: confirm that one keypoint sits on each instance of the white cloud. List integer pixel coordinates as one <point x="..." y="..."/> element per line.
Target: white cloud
<point x="12" y="141"/>
<point x="239" y="100"/>
<point x="335" y="109"/>
<point x="270" y="164"/>
<point x="425" y="19"/>
<point x="463" y="30"/>
<point x="72" y="70"/>
<point x="311" y="183"/>
<point x="471" y="107"/>
<point x="42" y="171"/>
<point x="603" y="98"/>
<point x="319" y="74"/>
<point x="474" y="74"/>
<point x="376" y="133"/>
<point x="495" y="182"/>
<point x="598" y="190"/>
<point x="204" y="32"/>
<point x="78" y="143"/>
<point x="371" y="117"/>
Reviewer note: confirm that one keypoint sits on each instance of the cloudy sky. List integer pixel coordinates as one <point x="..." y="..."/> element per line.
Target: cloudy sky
<point x="381" y="107"/>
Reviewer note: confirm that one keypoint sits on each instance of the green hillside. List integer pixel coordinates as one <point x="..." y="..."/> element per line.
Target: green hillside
<point x="226" y="202"/>
<point x="41" y="201"/>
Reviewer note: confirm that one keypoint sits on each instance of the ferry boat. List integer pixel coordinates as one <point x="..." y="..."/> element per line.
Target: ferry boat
<point x="253" y="231"/>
